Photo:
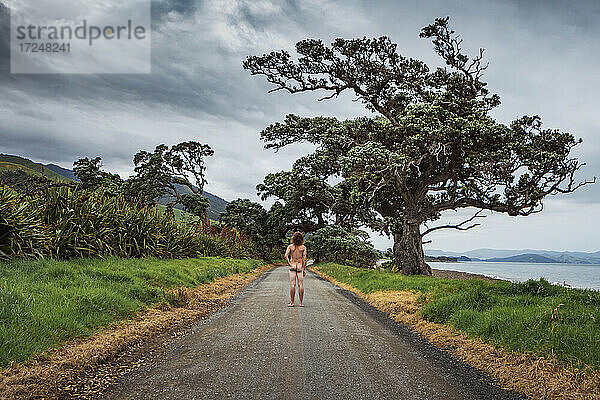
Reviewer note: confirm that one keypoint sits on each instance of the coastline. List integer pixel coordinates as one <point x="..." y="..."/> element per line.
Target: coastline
<point x="449" y="274"/>
<point x="534" y="375"/>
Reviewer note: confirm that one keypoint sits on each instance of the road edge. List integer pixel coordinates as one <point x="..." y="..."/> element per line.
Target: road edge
<point x="84" y="368"/>
<point x="521" y="374"/>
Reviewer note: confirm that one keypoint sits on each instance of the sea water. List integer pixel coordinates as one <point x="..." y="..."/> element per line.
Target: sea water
<point x="574" y="275"/>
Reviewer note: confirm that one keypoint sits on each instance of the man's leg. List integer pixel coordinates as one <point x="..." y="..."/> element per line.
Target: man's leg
<point x="292" y="287"/>
<point x="300" y="286"/>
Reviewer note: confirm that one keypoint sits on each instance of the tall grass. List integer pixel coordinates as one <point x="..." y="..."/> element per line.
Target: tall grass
<point x="90" y="224"/>
<point x="65" y="223"/>
<point x="45" y="302"/>
<point x="533" y="316"/>
<point x="22" y="231"/>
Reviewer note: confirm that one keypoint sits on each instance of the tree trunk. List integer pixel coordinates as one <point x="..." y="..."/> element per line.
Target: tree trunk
<point x="408" y="249"/>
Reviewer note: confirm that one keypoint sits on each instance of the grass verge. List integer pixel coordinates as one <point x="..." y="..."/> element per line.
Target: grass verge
<point x="538" y="339"/>
<point x="43" y="303"/>
<point x="85" y="367"/>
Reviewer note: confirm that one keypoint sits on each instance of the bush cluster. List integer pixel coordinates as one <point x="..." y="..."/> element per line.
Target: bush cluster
<point x="334" y="243"/>
<point x="65" y="223"/>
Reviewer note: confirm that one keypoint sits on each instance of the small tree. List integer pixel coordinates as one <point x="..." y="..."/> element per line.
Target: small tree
<point x="337" y="244"/>
<point x="433" y="145"/>
<point x="266" y="228"/>
<point x="166" y="170"/>
<point x="91" y="176"/>
<point x="245" y="215"/>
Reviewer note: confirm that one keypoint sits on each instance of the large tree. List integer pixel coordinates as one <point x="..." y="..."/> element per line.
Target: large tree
<point x="432" y="145"/>
<point x="311" y="191"/>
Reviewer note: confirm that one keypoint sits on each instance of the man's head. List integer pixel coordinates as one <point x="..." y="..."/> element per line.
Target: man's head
<point x="297" y="238"/>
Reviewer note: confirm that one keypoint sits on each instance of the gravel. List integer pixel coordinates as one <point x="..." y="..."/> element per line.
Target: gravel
<point x="336" y="347"/>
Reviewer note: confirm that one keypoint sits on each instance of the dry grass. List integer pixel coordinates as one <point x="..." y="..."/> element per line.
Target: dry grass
<point x="70" y="371"/>
<point x="535" y="377"/>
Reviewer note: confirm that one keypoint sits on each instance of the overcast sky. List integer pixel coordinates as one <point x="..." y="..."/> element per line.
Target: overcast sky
<point x="543" y="56"/>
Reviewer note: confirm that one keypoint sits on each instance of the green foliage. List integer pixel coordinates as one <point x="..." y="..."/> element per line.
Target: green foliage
<point x="91" y="177"/>
<point x="22" y="232"/>
<point x="65" y="223"/>
<point x="310" y="201"/>
<point x="337" y="244"/>
<point x="45" y="302"/>
<point x="195" y="204"/>
<point x="432" y="146"/>
<point x="266" y="228"/>
<point x="91" y="224"/>
<point x="103" y="216"/>
<point x="533" y="316"/>
<point x="232" y="242"/>
<point x="306" y="197"/>
<point x="246" y="216"/>
<point x="389" y="253"/>
<point x="477" y="299"/>
<point x="159" y="173"/>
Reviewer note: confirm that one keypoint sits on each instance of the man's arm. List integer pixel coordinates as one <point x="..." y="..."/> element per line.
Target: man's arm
<point x="287" y="256"/>
<point x="304" y="259"/>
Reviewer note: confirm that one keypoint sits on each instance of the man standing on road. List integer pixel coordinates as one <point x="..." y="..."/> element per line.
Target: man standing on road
<point x="295" y="256"/>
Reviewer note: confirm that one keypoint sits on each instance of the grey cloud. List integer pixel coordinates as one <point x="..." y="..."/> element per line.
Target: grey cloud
<point x="543" y="57"/>
<point x="215" y="70"/>
<point x="162" y="8"/>
<point x="37" y="115"/>
<point x="4" y="40"/>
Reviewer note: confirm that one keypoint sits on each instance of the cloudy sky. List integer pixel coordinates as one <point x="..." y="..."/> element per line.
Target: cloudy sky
<point x="543" y="57"/>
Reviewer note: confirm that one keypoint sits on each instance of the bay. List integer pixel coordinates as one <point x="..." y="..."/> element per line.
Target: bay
<point x="585" y="276"/>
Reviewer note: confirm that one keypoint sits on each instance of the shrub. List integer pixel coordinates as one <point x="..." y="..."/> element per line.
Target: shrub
<point x="64" y="223"/>
<point x="22" y="233"/>
<point x="475" y="298"/>
<point x="541" y="288"/>
<point x="91" y="224"/>
<point x="335" y="244"/>
<point x="234" y="243"/>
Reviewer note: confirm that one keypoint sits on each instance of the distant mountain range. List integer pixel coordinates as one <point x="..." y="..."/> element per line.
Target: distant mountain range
<point x="525" y="255"/>
<point x="216" y="204"/>
<point x="67" y="173"/>
<point x="10" y="162"/>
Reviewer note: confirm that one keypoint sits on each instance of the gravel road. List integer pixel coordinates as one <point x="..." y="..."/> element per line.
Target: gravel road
<point x="336" y="347"/>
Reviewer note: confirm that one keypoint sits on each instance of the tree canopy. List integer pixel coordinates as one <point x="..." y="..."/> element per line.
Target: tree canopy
<point x="177" y="172"/>
<point x="432" y="145"/>
<point x="91" y="176"/>
<point x="266" y="228"/>
<point x="166" y="171"/>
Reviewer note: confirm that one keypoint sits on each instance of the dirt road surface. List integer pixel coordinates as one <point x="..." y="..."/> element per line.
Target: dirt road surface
<point x="336" y="347"/>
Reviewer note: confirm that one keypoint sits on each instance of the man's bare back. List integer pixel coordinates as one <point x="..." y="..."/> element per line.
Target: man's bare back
<point x="296" y="256"/>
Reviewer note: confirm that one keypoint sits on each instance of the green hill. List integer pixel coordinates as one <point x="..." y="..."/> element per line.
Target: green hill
<point x="67" y="173"/>
<point x="9" y="162"/>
